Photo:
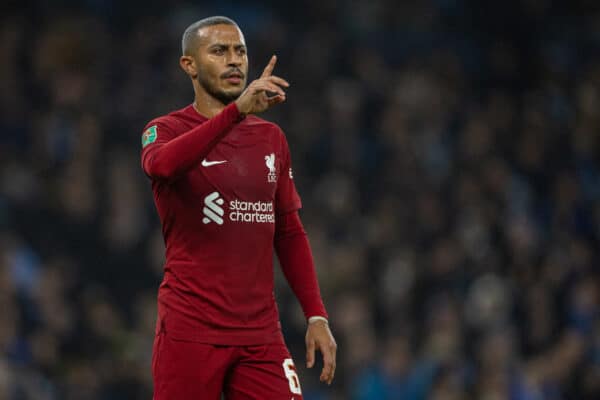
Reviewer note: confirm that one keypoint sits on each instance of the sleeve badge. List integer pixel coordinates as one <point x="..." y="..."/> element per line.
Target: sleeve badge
<point x="149" y="136"/>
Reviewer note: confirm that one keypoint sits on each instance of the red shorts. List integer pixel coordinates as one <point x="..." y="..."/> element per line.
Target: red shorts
<point x="184" y="370"/>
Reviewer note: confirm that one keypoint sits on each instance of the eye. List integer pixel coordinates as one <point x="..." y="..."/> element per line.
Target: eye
<point x="218" y="51"/>
<point x="242" y="52"/>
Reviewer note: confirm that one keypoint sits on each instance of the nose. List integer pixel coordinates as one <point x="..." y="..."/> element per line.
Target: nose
<point x="234" y="59"/>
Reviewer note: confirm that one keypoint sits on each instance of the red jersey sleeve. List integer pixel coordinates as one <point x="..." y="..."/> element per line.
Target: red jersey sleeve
<point x="297" y="264"/>
<point x="286" y="198"/>
<point x="156" y="133"/>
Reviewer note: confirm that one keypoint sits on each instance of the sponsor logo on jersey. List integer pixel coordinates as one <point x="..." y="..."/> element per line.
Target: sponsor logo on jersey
<point x="237" y="210"/>
<point x="270" y="162"/>
<point x="149" y="136"/>
<point x="212" y="209"/>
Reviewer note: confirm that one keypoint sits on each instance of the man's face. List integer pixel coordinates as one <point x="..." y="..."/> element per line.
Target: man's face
<point x="222" y="62"/>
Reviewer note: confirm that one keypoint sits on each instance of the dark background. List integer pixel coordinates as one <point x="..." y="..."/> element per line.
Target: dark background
<point x="446" y="152"/>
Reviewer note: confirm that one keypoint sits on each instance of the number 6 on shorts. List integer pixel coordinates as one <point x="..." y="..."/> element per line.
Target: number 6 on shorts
<point x="290" y="373"/>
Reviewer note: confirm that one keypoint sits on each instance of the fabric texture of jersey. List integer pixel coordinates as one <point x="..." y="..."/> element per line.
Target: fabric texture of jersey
<point x="218" y="221"/>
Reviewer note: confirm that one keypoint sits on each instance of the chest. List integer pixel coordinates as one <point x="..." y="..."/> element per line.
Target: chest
<point x="244" y="168"/>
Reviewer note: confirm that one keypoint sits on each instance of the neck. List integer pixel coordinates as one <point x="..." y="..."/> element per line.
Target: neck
<point x="205" y="104"/>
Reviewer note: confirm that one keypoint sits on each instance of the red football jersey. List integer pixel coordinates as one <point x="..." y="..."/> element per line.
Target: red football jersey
<point x="218" y="223"/>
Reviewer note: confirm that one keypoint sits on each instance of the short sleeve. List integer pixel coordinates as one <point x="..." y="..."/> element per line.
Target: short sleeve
<point x="286" y="198"/>
<point x="156" y="133"/>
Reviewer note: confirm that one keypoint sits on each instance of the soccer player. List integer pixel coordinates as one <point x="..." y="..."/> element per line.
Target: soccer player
<point x="223" y="188"/>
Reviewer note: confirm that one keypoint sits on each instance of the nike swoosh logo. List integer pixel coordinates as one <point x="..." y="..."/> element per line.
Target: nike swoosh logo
<point x="211" y="163"/>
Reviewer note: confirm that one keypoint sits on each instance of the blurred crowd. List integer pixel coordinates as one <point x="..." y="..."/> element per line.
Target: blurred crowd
<point x="447" y="155"/>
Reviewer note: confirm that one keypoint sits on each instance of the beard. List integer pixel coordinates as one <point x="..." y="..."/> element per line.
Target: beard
<point x="221" y="95"/>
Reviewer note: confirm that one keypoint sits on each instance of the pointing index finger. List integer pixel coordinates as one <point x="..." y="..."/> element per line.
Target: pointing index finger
<point x="269" y="68"/>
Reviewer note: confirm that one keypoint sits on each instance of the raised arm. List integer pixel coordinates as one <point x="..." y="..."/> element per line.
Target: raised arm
<point x="168" y="159"/>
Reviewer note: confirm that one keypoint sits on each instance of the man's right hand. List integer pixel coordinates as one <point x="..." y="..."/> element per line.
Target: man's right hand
<point x="254" y="99"/>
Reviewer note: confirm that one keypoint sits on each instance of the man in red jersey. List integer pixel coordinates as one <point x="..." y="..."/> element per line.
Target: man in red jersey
<point x="223" y="188"/>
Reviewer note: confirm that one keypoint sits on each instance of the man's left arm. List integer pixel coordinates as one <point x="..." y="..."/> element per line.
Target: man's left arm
<point x="295" y="258"/>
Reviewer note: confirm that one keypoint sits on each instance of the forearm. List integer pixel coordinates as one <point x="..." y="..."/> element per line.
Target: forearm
<point x="297" y="264"/>
<point x="179" y="155"/>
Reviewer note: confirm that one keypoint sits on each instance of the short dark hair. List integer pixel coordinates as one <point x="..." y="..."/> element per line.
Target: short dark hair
<point x="189" y="41"/>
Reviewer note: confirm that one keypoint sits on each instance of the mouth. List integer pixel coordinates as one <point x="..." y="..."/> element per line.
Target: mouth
<point x="234" y="78"/>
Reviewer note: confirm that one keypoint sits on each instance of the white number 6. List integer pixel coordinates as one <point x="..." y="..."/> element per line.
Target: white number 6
<point x="292" y="377"/>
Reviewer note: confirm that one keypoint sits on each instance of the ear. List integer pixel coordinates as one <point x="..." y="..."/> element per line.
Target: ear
<point x="188" y="64"/>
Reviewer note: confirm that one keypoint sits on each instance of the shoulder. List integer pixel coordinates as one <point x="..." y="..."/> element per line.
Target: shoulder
<point x="171" y="121"/>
